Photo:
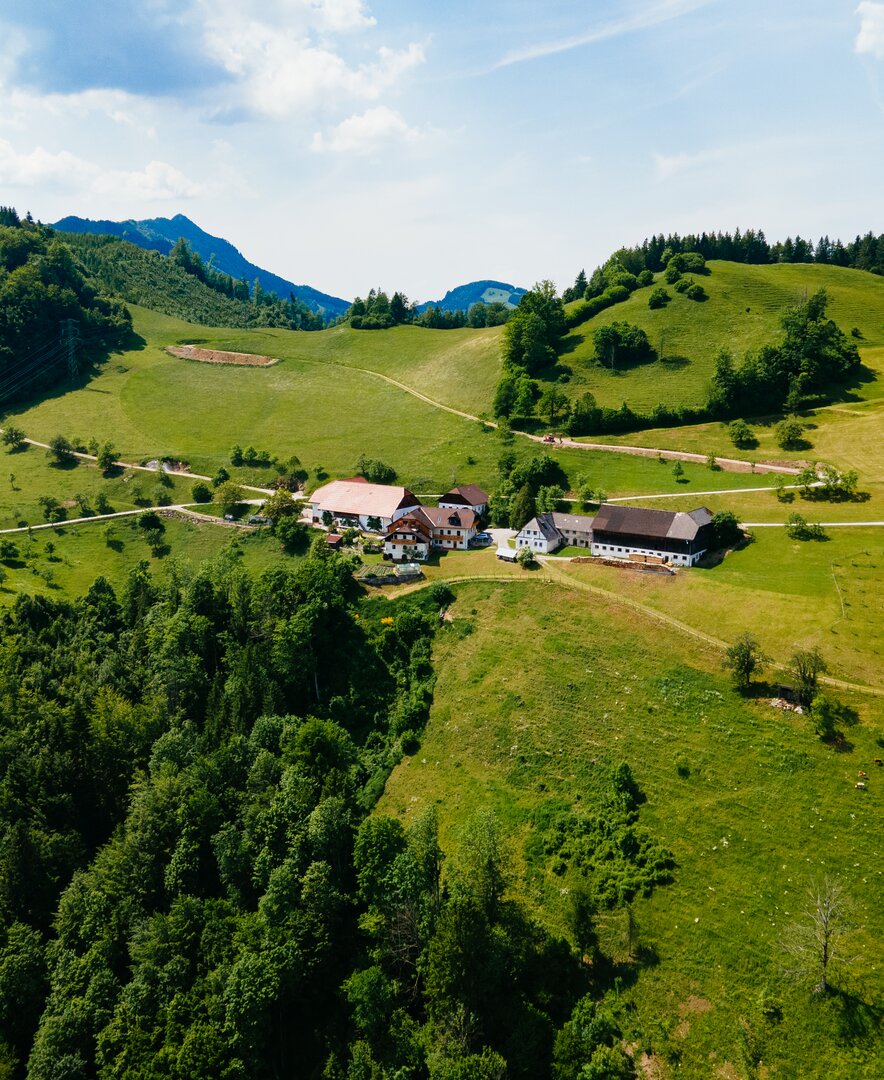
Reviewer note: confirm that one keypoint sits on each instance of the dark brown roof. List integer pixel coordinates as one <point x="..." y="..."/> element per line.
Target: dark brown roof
<point x="469" y="494"/>
<point x="440" y="517"/>
<point x="637" y="521"/>
<point x="411" y="523"/>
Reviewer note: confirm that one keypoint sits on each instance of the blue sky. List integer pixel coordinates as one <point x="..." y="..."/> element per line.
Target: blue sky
<point x="351" y="143"/>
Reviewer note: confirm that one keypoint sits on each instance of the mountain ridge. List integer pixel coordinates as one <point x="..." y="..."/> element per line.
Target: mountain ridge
<point x="160" y="234"/>
<point x="485" y="290"/>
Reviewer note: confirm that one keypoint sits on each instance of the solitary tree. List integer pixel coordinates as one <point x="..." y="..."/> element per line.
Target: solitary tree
<point x="107" y="456"/>
<point x="744" y="659"/>
<point x="13" y="437"/>
<point x="815" y="941"/>
<point x="790" y="433"/>
<point x="61" y="449"/>
<point x="741" y="434"/>
<point x="806" y="666"/>
<point x="228" y="495"/>
<point x="678" y="471"/>
<point x="526" y="558"/>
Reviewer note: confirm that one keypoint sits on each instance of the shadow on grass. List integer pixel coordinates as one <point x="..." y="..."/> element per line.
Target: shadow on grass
<point x="857" y="1019"/>
<point x="65" y="464"/>
<point x="58" y="383"/>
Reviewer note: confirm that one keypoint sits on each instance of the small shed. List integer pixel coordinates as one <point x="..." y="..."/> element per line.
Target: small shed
<point x="334" y="540"/>
<point x="506" y="553"/>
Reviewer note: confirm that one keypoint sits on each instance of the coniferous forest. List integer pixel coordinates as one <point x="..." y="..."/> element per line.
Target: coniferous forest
<point x="194" y="883"/>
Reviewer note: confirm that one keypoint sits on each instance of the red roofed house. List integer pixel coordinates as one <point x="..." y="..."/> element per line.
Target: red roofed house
<point x="450" y="529"/>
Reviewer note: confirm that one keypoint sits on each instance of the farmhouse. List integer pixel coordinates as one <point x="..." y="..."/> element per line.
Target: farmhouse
<point x="548" y="532"/>
<point x="409" y="539"/>
<point x="357" y="503"/>
<point x="468" y="496"/>
<point x="624" y="532"/>
<point x="413" y="535"/>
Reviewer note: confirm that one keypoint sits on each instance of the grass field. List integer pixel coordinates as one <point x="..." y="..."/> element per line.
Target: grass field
<point x="28" y="473"/>
<point x="540" y="689"/>
<point x="152" y="404"/>
<point x="111" y="549"/>
<point x="743" y="311"/>
<point x="787" y="593"/>
<point x="847" y="435"/>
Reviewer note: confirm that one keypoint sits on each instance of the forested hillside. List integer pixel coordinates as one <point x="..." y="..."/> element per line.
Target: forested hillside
<point x="181" y="285"/>
<point x="42" y="286"/>
<point x="161" y="234"/>
<point x="191" y="883"/>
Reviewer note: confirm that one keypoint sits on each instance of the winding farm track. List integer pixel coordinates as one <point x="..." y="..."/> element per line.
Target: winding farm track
<point x="728" y="464"/>
<point x="93" y="460"/>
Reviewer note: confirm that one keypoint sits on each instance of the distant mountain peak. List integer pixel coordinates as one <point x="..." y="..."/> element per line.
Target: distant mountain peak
<point x="160" y="234"/>
<point x="486" y="291"/>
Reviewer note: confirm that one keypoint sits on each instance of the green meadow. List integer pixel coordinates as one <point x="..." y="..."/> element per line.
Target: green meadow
<point x="65" y="561"/>
<point x="29" y="473"/>
<point x="327" y="413"/>
<point x="540" y="690"/>
<point x="743" y="311"/>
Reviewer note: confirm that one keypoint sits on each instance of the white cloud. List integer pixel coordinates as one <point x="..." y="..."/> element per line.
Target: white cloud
<point x="157" y="180"/>
<point x="649" y="15"/>
<point x="870" y="38"/>
<point x="40" y="168"/>
<point x="283" y="60"/>
<point x="360" y="134"/>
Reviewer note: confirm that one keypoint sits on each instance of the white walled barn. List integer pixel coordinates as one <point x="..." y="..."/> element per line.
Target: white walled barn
<point x="356" y="502"/>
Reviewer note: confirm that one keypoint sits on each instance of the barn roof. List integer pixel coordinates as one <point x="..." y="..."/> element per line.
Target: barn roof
<point x="356" y="496"/>
<point x="655" y="524"/>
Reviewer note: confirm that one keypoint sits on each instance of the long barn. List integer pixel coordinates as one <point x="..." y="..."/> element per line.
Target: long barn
<point x="619" y="532"/>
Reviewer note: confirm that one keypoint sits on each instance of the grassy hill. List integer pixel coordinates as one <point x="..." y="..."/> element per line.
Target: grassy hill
<point x="325" y="402"/>
<point x="541" y="689"/>
<point x="742" y="312"/>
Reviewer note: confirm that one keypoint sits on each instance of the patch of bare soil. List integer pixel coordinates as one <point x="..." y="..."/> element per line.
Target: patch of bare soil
<point x="217" y="356"/>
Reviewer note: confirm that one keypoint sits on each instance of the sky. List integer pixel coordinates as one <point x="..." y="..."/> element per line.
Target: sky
<point x="348" y="144"/>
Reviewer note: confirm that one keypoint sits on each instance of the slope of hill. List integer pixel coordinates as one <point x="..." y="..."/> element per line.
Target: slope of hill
<point x="540" y="693"/>
<point x="743" y="311"/>
<point x="145" y="277"/>
<point x="159" y="234"/>
<point x="462" y="297"/>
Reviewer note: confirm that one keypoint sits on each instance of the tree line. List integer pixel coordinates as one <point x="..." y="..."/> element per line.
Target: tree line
<point x="379" y="311"/>
<point x="863" y="253"/>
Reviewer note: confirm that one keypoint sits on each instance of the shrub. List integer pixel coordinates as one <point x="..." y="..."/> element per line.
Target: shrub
<point x="201" y="492"/>
<point x="659" y="298"/>
<point x="695" y="291"/>
<point x="645" y="278"/>
<point x="682" y="285"/>
<point x="741" y="434"/>
<point x="790" y="433"/>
